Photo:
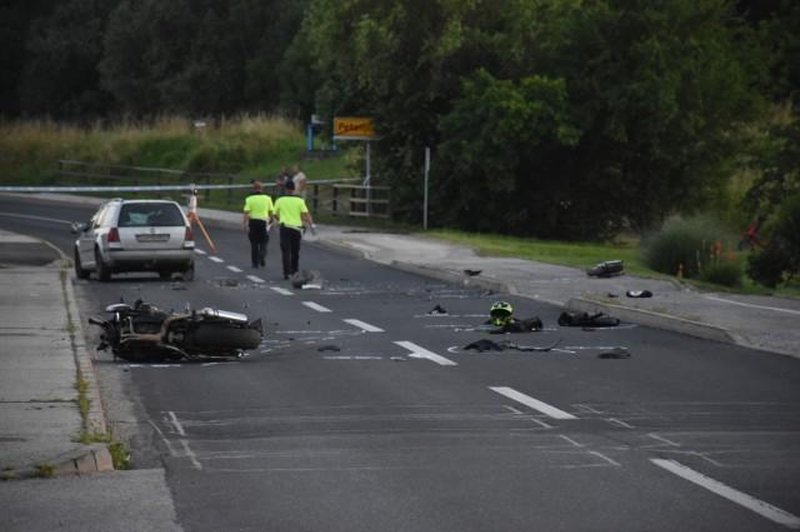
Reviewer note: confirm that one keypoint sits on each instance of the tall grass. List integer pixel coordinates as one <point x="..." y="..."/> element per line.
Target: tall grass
<point x="252" y="145"/>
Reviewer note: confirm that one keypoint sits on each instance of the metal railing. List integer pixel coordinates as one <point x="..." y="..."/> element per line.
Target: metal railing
<point x="335" y="197"/>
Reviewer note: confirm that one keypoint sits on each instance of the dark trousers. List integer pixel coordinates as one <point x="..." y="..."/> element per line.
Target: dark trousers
<point x="290" y="249"/>
<point x="259" y="238"/>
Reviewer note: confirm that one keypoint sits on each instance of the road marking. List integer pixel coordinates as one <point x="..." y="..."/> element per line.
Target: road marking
<point x="421" y="352"/>
<point x="750" y="305"/>
<point x="235" y="269"/>
<point x="529" y="401"/>
<point x="316" y="306"/>
<point x="758" y="506"/>
<point x="216" y="259"/>
<point x="282" y="291"/>
<point x="173" y="420"/>
<point x="620" y="423"/>
<point x="363" y="325"/>
<point x="199" y="251"/>
<point x="255" y="279"/>
<point x="192" y="457"/>
<point x="32" y="217"/>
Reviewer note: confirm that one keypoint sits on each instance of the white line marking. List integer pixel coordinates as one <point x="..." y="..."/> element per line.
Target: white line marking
<point x="363" y="325"/>
<point x="758" y="506"/>
<point x="216" y="259"/>
<point x="620" y="423"/>
<point x="529" y="401"/>
<point x="199" y="251"/>
<point x="173" y="420"/>
<point x="193" y="457"/>
<point x="663" y="439"/>
<point x="282" y="291"/>
<point x="570" y="440"/>
<point x="235" y="269"/>
<point x="763" y="307"/>
<point x="421" y="352"/>
<point x="316" y="306"/>
<point x="255" y="279"/>
<point x="606" y="458"/>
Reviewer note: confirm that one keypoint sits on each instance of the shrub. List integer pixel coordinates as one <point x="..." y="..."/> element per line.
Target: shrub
<point x="779" y="260"/>
<point x="692" y="246"/>
<point x="724" y="271"/>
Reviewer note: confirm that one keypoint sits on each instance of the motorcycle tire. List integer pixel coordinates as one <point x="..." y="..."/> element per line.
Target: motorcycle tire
<point x="220" y="337"/>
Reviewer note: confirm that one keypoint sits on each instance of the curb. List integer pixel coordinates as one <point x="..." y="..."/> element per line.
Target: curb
<point x="655" y="320"/>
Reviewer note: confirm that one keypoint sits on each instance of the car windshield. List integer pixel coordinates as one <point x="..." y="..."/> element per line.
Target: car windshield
<point x="150" y="214"/>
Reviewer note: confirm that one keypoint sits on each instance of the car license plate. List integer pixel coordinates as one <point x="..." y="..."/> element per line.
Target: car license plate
<point x="152" y="238"/>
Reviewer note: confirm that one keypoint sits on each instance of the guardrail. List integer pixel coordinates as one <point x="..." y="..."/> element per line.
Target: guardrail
<point x="336" y="198"/>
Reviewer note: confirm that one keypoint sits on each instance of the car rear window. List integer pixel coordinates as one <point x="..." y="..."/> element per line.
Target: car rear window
<point x="150" y="214"/>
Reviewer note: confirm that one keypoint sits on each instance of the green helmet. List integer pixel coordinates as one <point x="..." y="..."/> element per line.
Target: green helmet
<point x="500" y="313"/>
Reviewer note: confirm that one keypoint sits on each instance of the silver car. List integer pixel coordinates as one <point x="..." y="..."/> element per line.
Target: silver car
<point x="135" y="235"/>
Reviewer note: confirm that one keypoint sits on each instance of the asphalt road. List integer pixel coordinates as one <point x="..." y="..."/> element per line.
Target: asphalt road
<point x="362" y="411"/>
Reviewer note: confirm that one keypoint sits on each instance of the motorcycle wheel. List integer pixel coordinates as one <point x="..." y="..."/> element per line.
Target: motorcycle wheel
<point x="220" y="337"/>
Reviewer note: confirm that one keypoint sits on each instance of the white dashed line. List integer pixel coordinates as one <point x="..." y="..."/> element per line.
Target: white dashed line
<point x="282" y="291"/>
<point x="255" y="279"/>
<point x="363" y="325"/>
<point x="758" y="506"/>
<point x="421" y="352"/>
<point x="216" y="259"/>
<point x="316" y="306"/>
<point x="235" y="269"/>
<point x="173" y="420"/>
<point x="199" y="251"/>
<point x="529" y="401"/>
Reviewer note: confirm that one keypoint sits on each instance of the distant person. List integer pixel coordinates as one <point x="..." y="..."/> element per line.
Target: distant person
<point x="300" y="181"/>
<point x="258" y="211"/>
<point x="292" y="214"/>
<point x="751" y="238"/>
<point x="280" y="181"/>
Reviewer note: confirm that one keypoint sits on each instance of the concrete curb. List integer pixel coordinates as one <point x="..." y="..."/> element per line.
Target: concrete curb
<point x="654" y="319"/>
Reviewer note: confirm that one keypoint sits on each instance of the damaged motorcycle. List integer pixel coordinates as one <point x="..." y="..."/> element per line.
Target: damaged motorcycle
<point x="143" y="332"/>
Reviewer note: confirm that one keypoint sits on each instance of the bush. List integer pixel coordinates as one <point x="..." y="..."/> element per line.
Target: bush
<point x="694" y="247"/>
<point x="779" y="261"/>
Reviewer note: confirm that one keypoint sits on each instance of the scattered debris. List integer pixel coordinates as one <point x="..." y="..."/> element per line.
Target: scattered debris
<point x="639" y="293"/>
<point x="178" y="286"/>
<point x="307" y="279"/>
<point x="514" y="325"/>
<point x="584" y="319"/>
<point x="438" y="309"/>
<point x="609" y="268"/>
<point x="611" y="294"/>
<point x="488" y="345"/>
<point x="617" y="352"/>
<point x="472" y="273"/>
<point x="333" y="348"/>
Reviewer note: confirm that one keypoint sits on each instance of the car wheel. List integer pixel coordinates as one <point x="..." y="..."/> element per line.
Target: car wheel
<point x="102" y="269"/>
<point x="80" y="272"/>
<point x="188" y="273"/>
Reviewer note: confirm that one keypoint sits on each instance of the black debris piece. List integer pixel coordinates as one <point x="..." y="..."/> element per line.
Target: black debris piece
<point x="639" y="293"/>
<point x="584" y="319"/>
<point x="472" y="273"/>
<point x="438" y="309"/>
<point x="617" y="352"/>
<point x="609" y="268"/>
<point x="329" y="348"/>
<point x="612" y="294"/>
<point x="515" y="325"/>
<point x="484" y="345"/>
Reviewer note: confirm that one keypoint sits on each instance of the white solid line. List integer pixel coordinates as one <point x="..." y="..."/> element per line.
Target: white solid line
<point x="282" y="291"/>
<point x="763" y="307"/>
<point x="199" y="251"/>
<point x="216" y="259"/>
<point x="758" y="506"/>
<point x="363" y="325"/>
<point x="527" y="400"/>
<point x="235" y="269"/>
<point x="173" y="419"/>
<point x="193" y="457"/>
<point x="421" y="352"/>
<point x="316" y="306"/>
<point x="255" y="279"/>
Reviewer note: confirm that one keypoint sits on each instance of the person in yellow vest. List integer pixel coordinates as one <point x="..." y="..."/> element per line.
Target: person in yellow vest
<point x="292" y="213"/>
<point x="258" y="212"/>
